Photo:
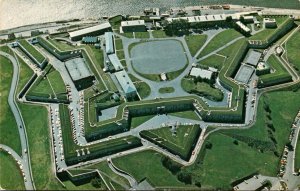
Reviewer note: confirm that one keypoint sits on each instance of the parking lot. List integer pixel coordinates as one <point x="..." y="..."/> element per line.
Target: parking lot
<point x="156" y="57"/>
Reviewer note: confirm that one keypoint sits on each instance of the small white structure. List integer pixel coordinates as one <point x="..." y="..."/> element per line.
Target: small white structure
<point x="163" y="76"/>
<point x="270" y="23"/>
<point x="243" y="27"/>
<point x="198" y="72"/>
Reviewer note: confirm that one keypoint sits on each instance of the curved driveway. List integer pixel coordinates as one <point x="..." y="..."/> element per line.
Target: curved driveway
<point x="29" y="185"/>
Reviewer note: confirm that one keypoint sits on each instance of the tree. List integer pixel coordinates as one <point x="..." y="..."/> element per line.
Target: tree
<point x="177" y="27"/>
<point x="235" y="142"/>
<point x="198" y="184"/>
<point x="170" y="165"/>
<point x="96" y="182"/>
<point x="185" y="177"/>
<point x="208" y="145"/>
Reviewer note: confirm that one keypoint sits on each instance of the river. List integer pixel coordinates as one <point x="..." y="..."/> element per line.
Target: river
<point x="14" y="13"/>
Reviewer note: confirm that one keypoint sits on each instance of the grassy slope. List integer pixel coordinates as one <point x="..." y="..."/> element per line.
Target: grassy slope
<point x="34" y="52"/>
<point x="8" y="125"/>
<point x="56" y="81"/>
<point x="186" y="114"/>
<point x="39" y="145"/>
<point x="214" y="61"/>
<point x="159" y="34"/>
<point x="202" y="88"/>
<point x="293" y="47"/>
<point x="10" y="176"/>
<point x="136" y="121"/>
<point x="143" y="89"/>
<point x="218" y="171"/>
<point x="149" y="165"/>
<point x="195" y="42"/>
<point x="297" y="160"/>
<point x="220" y="40"/>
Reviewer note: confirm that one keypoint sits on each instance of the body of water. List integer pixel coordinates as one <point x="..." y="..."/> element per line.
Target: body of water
<point x="14" y="13"/>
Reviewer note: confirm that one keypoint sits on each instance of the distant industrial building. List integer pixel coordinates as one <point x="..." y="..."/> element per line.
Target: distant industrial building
<point x="270" y="23"/>
<point x="114" y="60"/>
<point x="252" y="57"/>
<point x="198" y="72"/>
<point x="243" y="27"/>
<point x="248" y="19"/>
<point x="90" y="31"/>
<point x="127" y="86"/>
<point x="198" y="19"/>
<point x="133" y="26"/>
<point x="109" y="43"/>
<point x="80" y="73"/>
<point x="90" y="40"/>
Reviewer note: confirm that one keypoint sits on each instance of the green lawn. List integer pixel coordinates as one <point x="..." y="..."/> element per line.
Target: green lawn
<point x="32" y="50"/>
<point x="220" y="40"/>
<point x="142" y="35"/>
<point x="214" y="61"/>
<point x="149" y="166"/>
<point x="8" y="126"/>
<point x="266" y="33"/>
<point x="136" y="121"/>
<point x="297" y="159"/>
<point x="56" y="81"/>
<point x="186" y="114"/>
<point x="127" y="34"/>
<point x="159" y="34"/>
<point x="120" y="54"/>
<point x="166" y="90"/>
<point x="195" y="42"/>
<point x="293" y="47"/>
<point x="201" y="89"/>
<point x="39" y="146"/>
<point x="10" y="176"/>
<point x="280" y="75"/>
<point x="227" y="162"/>
<point x="179" y="143"/>
<point x="106" y="171"/>
<point x="119" y="44"/>
<point x="143" y="89"/>
<point x="245" y="158"/>
<point x="42" y="87"/>
<point x="63" y="46"/>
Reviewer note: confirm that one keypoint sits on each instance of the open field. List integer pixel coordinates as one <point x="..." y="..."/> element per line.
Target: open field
<point x="245" y="161"/>
<point x="201" y="89"/>
<point x="214" y="61"/>
<point x="127" y="34"/>
<point x="149" y="166"/>
<point x="293" y="47"/>
<point x="159" y="34"/>
<point x="8" y="127"/>
<point x="39" y="146"/>
<point x="141" y="34"/>
<point x="34" y="52"/>
<point x="10" y="176"/>
<point x="195" y="42"/>
<point x="220" y="40"/>
<point x="151" y="57"/>
<point x="280" y="75"/>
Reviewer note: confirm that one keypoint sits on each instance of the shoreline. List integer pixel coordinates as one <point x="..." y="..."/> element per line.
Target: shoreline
<point x="62" y="23"/>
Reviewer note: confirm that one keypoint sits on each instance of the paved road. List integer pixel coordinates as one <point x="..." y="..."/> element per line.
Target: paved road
<point x="29" y="184"/>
